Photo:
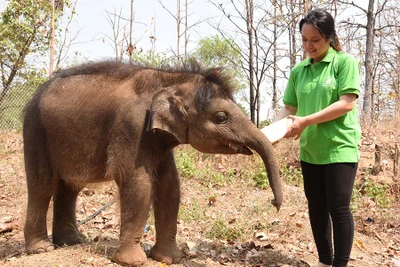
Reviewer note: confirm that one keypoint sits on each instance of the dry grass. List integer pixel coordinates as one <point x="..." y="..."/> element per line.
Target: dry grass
<point x="224" y="218"/>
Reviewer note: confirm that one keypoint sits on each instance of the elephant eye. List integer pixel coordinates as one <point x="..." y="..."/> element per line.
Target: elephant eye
<point x="221" y="117"/>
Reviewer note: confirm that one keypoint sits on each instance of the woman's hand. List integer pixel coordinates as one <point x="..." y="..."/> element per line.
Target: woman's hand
<point x="297" y="127"/>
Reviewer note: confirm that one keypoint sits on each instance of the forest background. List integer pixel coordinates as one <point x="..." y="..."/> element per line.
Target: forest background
<point x="257" y="41"/>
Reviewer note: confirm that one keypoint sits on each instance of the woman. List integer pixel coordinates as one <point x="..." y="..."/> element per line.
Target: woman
<point x="321" y="99"/>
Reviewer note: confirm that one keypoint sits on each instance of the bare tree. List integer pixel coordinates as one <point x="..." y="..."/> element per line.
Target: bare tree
<point x="369" y="61"/>
<point x="52" y="35"/>
<point x="119" y="34"/>
<point x="275" y="51"/>
<point x="178" y="28"/>
<point x="52" y="38"/>
<point x="123" y="39"/>
<point x="131" y="46"/>
<point x="59" y="6"/>
<point x="284" y="20"/>
<point x="254" y="96"/>
<point x="186" y="30"/>
<point x="250" y="20"/>
<point x="307" y="6"/>
<point x="369" y="65"/>
<point x="292" y="30"/>
<point x="179" y="21"/>
<point x="66" y="41"/>
<point x="387" y="78"/>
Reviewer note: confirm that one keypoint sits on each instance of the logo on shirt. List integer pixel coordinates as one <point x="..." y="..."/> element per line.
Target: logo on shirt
<point x="329" y="81"/>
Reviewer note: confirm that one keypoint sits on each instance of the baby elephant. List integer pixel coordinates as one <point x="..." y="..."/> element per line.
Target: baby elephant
<point x="109" y="121"/>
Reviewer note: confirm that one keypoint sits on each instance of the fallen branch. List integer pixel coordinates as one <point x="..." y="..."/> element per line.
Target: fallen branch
<point x="396" y="161"/>
<point x="90" y="217"/>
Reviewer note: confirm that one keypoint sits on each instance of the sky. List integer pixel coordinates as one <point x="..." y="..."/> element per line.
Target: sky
<point x="92" y="29"/>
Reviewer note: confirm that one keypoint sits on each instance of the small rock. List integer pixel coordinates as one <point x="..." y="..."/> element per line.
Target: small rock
<point x="88" y="192"/>
<point x="7" y="219"/>
<point x="192" y="253"/>
<point x="191" y="244"/>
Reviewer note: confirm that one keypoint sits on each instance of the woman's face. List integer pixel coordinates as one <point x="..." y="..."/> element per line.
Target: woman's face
<point x="314" y="43"/>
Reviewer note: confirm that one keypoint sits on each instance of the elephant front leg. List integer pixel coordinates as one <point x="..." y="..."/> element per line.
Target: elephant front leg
<point x="166" y="206"/>
<point x="135" y="195"/>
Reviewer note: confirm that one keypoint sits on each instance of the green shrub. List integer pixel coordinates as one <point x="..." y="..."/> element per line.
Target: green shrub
<point x="377" y="192"/>
<point x="355" y="203"/>
<point x="260" y="178"/>
<point x="191" y="212"/>
<point x="222" y="230"/>
<point x="292" y="175"/>
<point x="185" y="162"/>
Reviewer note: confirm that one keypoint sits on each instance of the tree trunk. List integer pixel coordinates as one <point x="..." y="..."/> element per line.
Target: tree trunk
<point x="294" y="43"/>
<point x="186" y="30"/>
<point x="398" y="83"/>
<point x="378" y="160"/>
<point x="306" y="10"/>
<point x="51" y="67"/>
<point x="275" y="65"/>
<point x="178" y="29"/>
<point x="249" y="22"/>
<point x="367" y="115"/>
<point x="131" y="47"/>
<point x="292" y="34"/>
<point x="306" y="6"/>
<point x="396" y="161"/>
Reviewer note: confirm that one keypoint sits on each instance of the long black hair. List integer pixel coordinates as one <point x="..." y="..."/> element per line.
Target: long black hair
<point x="325" y="24"/>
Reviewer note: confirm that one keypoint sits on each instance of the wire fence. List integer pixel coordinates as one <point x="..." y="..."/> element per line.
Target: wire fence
<point x="14" y="101"/>
<point x="12" y="106"/>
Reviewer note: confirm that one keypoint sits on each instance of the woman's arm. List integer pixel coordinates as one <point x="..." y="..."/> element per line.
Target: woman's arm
<point x="342" y="106"/>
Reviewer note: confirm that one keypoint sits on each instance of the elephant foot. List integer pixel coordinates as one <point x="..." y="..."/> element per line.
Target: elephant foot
<point x="169" y="254"/>
<point x="130" y="257"/>
<point x="38" y="247"/>
<point x="69" y="239"/>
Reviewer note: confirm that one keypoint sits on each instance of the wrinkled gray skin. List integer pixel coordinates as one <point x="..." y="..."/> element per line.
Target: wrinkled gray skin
<point x="108" y="121"/>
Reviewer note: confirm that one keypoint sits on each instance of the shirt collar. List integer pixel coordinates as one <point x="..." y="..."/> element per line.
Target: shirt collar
<point x="328" y="57"/>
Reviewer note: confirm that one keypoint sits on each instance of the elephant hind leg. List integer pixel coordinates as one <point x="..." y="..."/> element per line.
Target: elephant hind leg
<point x="65" y="230"/>
<point x="40" y="187"/>
<point x="35" y="230"/>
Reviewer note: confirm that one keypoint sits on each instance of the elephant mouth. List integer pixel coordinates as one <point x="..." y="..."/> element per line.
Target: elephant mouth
<point x="237" y="148"/>
<point x="225" y="148"/>
<point x="245" y="150"/>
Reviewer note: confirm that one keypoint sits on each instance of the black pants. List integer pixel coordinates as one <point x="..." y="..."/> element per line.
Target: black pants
<point x="328" y="189"/>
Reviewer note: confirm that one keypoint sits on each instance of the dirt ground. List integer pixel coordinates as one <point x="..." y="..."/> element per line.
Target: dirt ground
<point x="262" y="236"/>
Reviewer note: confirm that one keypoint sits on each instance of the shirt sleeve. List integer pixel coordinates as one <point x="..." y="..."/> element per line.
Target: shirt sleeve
<point x="348" y="76"/>
<point x="289" y="97"/>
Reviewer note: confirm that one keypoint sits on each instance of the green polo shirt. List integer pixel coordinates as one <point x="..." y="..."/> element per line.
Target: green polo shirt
<point x="313" y="87"/>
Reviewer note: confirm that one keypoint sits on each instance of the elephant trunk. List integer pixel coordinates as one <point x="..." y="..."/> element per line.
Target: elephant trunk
<point x="260" y="143"/>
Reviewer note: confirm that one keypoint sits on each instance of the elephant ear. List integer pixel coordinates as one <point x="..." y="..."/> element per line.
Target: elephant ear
<point x="167" y="113"/>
